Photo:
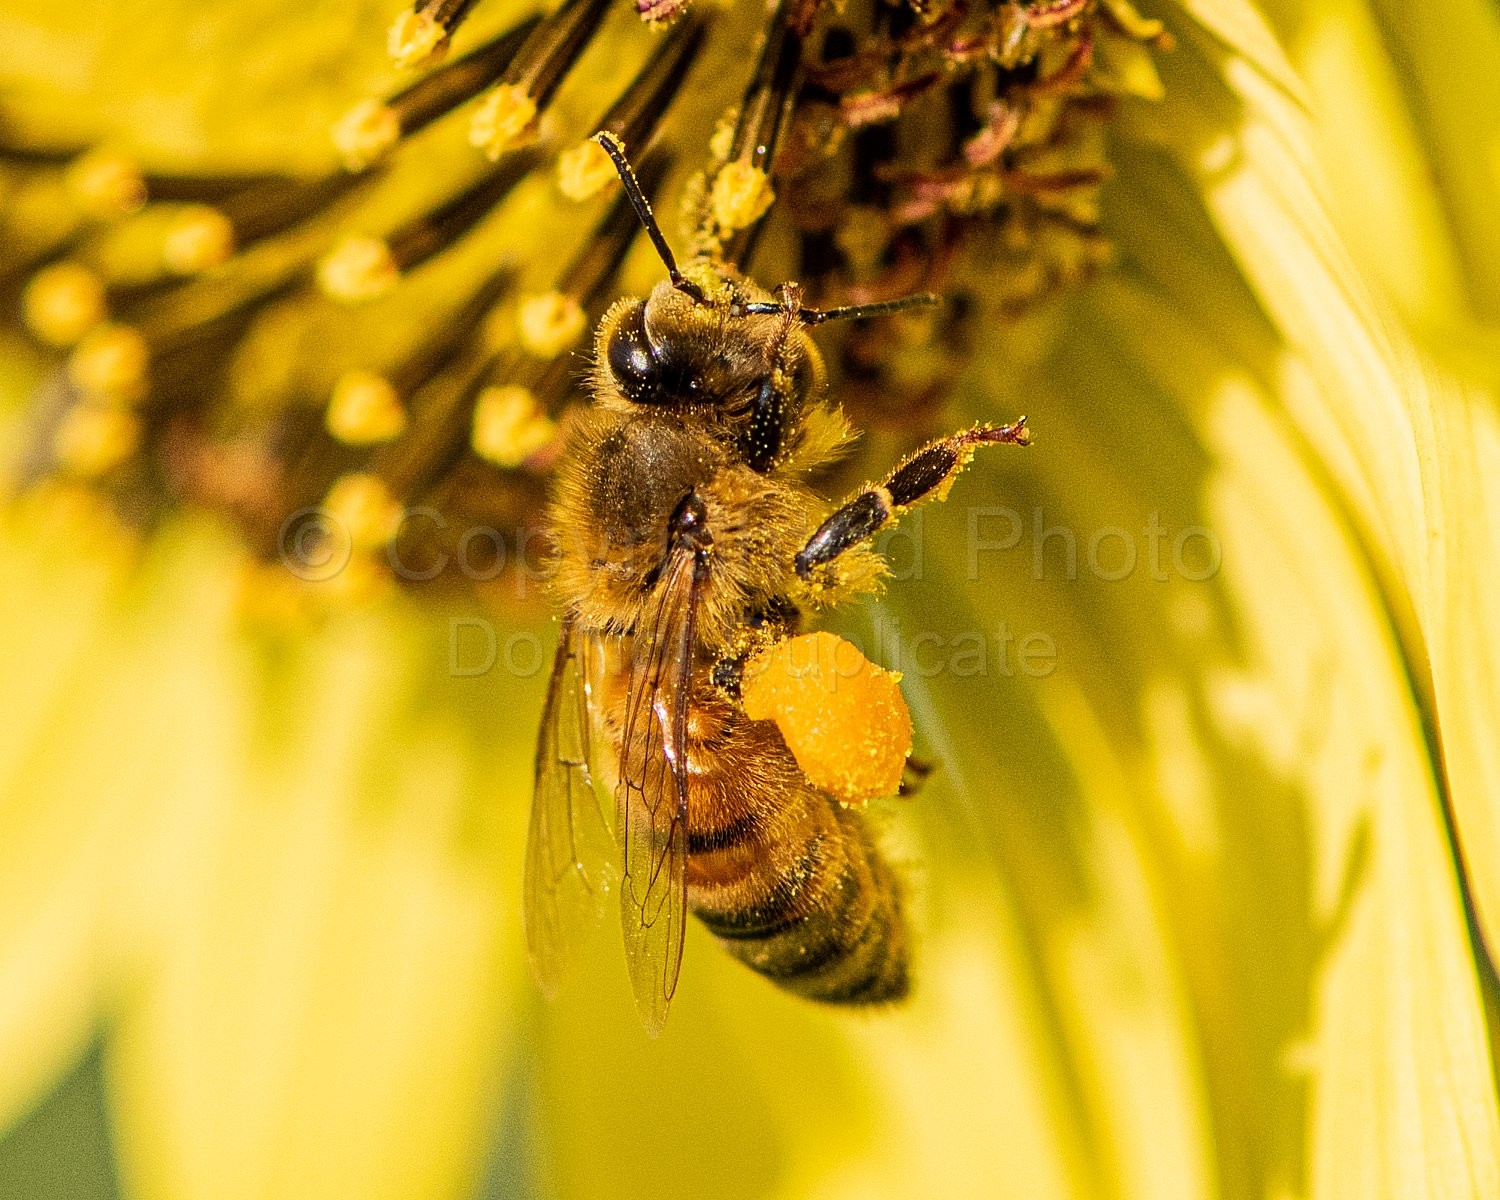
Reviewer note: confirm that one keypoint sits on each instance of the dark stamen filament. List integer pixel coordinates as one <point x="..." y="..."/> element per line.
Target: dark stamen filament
<point x="633" y="118"/>
<point x="739" y="193"/>
<point x="509" y="111"/>
<point x="421" y="35"/>
<point x="419" y="240"/>
<point x="372" y="128"/>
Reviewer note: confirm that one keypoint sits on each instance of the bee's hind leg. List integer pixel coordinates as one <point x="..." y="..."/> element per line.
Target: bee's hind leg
<point x="923" y="475"/>
<point x="914" y="775"/>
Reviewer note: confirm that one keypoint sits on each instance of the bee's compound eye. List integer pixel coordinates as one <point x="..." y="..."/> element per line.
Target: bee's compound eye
<point x="629" y="356"/>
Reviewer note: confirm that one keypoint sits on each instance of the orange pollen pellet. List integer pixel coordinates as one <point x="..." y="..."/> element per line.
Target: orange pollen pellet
<point x="843" y="718"/>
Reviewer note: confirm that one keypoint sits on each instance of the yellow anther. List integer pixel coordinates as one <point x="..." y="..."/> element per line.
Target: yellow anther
<point x="416" y="40"/>
<point x="358" y="268"/>
<point x="362" y="510"/>
<point x="111" y="362"/>
<point x="502" y="119"/>
<point x="549" y="323"/>
<point x="509" y="427"/>
<point x="721" y="141"/>
<point x="365" y="134"/>
<point x="63" y="302"/>
<point x="741" y="194"/>
<point x="199" y="239"/>
<point x="92" y="438"/>
<point x="584" y="170"/>
<point x="106" y="184"/>
<point x="365" y="409"/>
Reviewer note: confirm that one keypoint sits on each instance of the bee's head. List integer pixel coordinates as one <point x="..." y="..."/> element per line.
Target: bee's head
<point x="683" y="346"/>
<point x="672" y="349"/>
<point x="789" y="294"/>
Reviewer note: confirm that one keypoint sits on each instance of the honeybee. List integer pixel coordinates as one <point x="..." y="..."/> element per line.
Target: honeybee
<point x="687" y="538"/>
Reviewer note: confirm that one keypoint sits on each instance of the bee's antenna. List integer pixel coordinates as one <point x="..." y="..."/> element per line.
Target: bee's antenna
<point x="611" y="146"/>
<point x="851" y="312"/>
<point x="854" y="312"/>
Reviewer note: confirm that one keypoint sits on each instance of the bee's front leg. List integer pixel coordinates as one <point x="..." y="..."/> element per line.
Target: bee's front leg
<point x="924" y="475"/>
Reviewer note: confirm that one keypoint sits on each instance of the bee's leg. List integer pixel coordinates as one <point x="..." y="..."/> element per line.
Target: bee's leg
<point x="926" y="474"/>
<point x="762" y="439"/>
<point x="774" y="620"/>
<point x="790" y="373"/>
<point x="914" y="775"/>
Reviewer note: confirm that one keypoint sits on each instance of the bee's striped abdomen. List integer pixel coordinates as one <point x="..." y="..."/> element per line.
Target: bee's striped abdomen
<point x="831" y="929"/>
<point x="792" y="884"/>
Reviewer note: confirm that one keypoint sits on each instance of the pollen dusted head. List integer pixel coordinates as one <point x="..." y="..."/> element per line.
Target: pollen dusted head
<point x="671" y="350"/>
<point x="710" y="343"/>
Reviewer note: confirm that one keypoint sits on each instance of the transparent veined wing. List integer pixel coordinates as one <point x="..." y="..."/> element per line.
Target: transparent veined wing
<point x="569" y="848"/>
<point x="651" y="798"/>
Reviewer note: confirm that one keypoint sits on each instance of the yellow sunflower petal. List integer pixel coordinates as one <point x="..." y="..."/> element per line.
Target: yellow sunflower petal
<point x="1411" y="449"/>
<point x="1437" y="122"/>
<point x="1444" y="64"/>
<point x="323" y="1006"/>
<point x="1366" y="411"/>
<point x="59" y="828"/>
<point x="1397" y="1050"/>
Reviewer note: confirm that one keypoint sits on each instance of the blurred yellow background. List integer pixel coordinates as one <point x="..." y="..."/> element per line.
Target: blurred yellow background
<point x="1203" y="885"/>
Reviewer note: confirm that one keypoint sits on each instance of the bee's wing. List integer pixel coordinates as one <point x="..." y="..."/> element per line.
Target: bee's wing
<point x="569" y="847"/>
<point x="651" y="799"/>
